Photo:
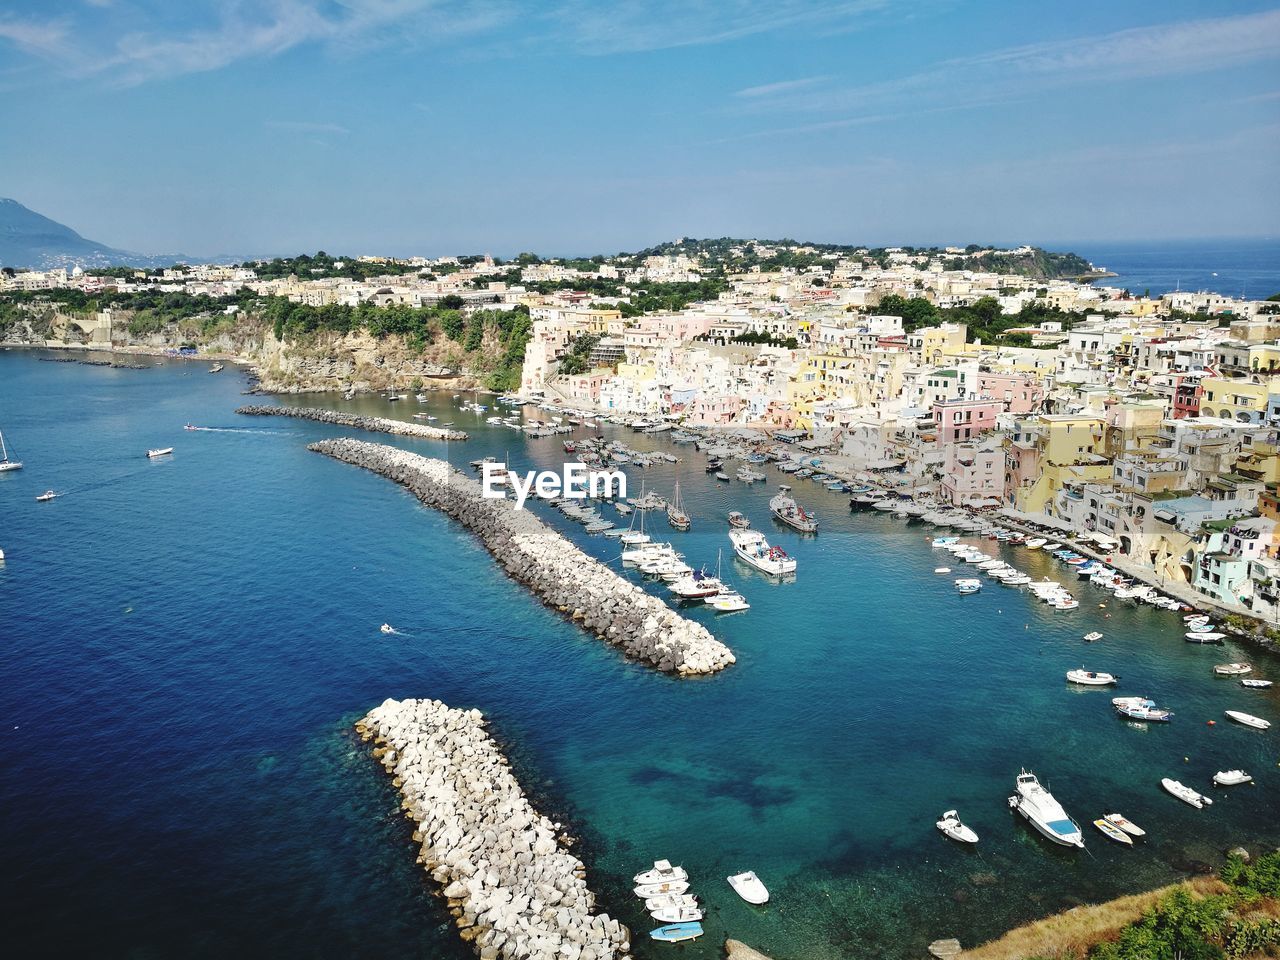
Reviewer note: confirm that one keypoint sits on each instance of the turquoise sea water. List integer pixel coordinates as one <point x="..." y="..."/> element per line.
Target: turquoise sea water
<point x="185" y="643"/>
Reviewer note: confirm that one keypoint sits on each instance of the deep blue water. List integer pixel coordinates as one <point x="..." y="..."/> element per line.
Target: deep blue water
<point x="185" y="643"/>
<point x="1248" y="268"/>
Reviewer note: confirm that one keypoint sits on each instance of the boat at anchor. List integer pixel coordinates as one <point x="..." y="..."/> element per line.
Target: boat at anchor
<point x="785" y="509"/>
<point x="752" y="547"/>
<point x="1044" y="812"/>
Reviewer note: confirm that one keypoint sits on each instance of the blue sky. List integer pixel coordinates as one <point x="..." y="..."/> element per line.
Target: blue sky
<point x="567" y="126"/>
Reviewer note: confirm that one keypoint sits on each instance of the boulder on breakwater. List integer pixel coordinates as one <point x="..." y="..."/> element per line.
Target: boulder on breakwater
<point x="512" y="890"/>
<point x="552" y="567"/>
<point x="377" y="424"/>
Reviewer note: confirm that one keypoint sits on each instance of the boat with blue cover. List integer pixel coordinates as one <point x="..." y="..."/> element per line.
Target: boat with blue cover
<point x="1043" y="812"/>
<point x="677" y="932"/>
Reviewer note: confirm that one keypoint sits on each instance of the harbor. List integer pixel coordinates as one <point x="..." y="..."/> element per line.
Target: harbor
<point x="374" y="424"/>
<point x="821" y="760"/>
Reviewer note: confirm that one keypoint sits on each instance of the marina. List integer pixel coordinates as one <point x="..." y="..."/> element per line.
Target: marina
<point x="879" y="880"/>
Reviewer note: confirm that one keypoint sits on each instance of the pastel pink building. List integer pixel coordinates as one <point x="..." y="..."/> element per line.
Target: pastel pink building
<point x="1020" y="392"/>
<point x="715" y="410"/>
<point x="960" y="420"/>
<point x="585" y="387"/>
<point x="973" y="473"/>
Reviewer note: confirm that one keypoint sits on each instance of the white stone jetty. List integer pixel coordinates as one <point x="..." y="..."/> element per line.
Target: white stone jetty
<point x="376" y="424"/>
<point x="513" y="891"/>
<point x="562" y="575"/>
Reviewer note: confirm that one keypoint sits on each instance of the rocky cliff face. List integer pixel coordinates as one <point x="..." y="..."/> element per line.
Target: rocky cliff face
<point x="323" y="361"/>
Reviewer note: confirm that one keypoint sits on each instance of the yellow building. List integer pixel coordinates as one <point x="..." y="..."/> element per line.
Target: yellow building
<point x="1236" y="398"/>
<point x="933" y="343"/>
<point x="1069" y="449"/>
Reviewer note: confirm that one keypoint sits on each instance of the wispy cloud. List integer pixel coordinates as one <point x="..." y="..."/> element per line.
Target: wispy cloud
<point x="306" y="126"/>
<point x="1143" y="52"/>
<point x="1261" y="97"/>
<point x="782" y="86"/>
<point x="42" y="37"/>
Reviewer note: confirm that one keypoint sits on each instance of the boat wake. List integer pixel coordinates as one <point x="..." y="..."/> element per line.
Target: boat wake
<point x="263" y="433"/>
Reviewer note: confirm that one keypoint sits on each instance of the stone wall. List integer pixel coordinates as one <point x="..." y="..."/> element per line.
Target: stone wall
<point x="376" y="424"/>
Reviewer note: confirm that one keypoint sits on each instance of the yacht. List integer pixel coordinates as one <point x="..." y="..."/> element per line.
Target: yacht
<point x="671" y="900"/>
<point x="752" y="547"/>
<point x="951" y="826"/>
<point x="784" y="508"/>
<point x="1092" y="636"/>
<point x="1044" y="812"/>
<point x="728" y="601"/>
<point x="1185" y="793"/>
<point x="5" y="463"/>
<point x="647" y="890"/>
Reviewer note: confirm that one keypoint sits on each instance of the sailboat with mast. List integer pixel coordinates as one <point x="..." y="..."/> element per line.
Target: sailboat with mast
<point x="5" y="463"/>
<point x="676" y="515"/>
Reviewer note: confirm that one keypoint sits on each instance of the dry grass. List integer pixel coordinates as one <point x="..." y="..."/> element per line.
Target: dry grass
<point x="1069" y="935"/>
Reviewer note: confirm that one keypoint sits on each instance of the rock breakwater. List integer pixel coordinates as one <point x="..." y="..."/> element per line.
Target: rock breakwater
<point x="513" y="891"/>
<point x="560" y="574"/>
<point x="376" y="424"/>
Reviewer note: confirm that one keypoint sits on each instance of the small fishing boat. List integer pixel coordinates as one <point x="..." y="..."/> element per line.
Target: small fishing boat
<point x="216" y="368"/>
<point x="47" y="495"/>
<point x="1230" y="778"/>
<point x="1249" y="720"/>
<point x="1185" y="793"/>
<point x="785" y="509"/>
<point x="942" y="570"/>
<point x="1091" y="637"/>
<point x="387" y="628"/>
<point x="752" y="547"/>
<point x="677" y="932"/>
<point x="951" y="826"/>
<point x="671" y="900"/>
<point x="749" y="887"/>
<point x="1140" y="708"/>
<point x="160" y="452"/>
<point x="721" y="475"/>
<point x="1091" y="678"/>
<point x="662" y="872"/>
<point x="646" y="890"/>
<point x="968" y="585"/>
<point x="1256" y="684"/>
<point x="738" y="520"/>
<point x="1113" y="832"/>
<point x="676" y="914"/>
<point x="1232" y="669"/>
<point x="1195" y="636"/>
<point x="1035" y="543"/>
<point x="1125" y="824"/>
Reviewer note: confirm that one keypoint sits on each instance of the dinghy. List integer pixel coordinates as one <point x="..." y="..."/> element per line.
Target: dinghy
<point x="677" y="932"/>
<point x="1090" y="678"/>
<point x="646" y="890"/>
<point x="1125" y="824"/>
<point x="1113" y="832"/>
<point x="1198" y="636"/>
<point x="662" y="872"/>
<point x="1229" y="778"/>
<point x="951" y="826"/>
<point x="1185" y="793"/>
<point x="942" y="570"/>
<point x="1256" y="684"/>
<point x="749" y="888"/>
<point x="1232" y="669"/>
<point x="1090" y="637"/>
<point x="1249" y="720"/>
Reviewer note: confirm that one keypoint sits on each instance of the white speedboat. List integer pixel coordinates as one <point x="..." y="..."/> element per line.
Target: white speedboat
<point x="1229" y="778"/>
<point x="942" y="570"/>
<point x="1091" y="678"/>
<point x="160" y="452"/>
<point x="752" y="547"/>
<point x="1091" y="637"/>
<point x="387" y="628"/>
<point x="646" y="890"/>
<point x="1232" y="669"/>
<point x="695" y="586"/>
<point x="1035" y="543"/>
<point x="1044" y="812"/>
<point x="671" y="900"/>
<point x="1140" y="708"/>
<point x="1125" y="824"/>
<point x="1249" y="720"/>
<point x="1113" y="832"/>
<point x="662" y="872"/>
<point x="728" y="602"/>
<point x="749" y="888"/>
<point x="951" y="826"/>
<point x="676" y="914"/>
<point x="1185" y="793"/>
<point x="47" y="495"/>
<point x="784" y="508"/>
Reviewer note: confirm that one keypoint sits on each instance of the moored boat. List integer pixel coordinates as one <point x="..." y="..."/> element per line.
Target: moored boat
<point x="1113" y="832"/>
<point x="677" y="932"/>
<point x="1256" y="684"/>
<point x="646" y="890"/>
<point x="1044" y="812"/>
<point x="1091" y="678"/>
<point x="1248" y="720"/>
<point x="1140" y="708"/>
<point x="1125" y="824"/>
<point x="968" y="585"/>
<point x="1232" y="669"/>
<point x="749" y="887"/>
<point x="1091" y="637"/>
<point x="751" y="547"/>
<point x="738" y="520"/>
<point x="785" y="509"/>
<point x="1185" y="793"/>
<point x="676" y="914"/>
<point x="1230" y="778"/>
<point x="951" y="825"/>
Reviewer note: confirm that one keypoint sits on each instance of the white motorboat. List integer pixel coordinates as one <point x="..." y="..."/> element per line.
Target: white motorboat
<point x="1249" y="720"/>
<point x="5" y="463"/>
<point x="968" y="585"/>
<point x="161" y="452"/>
<point x="1112" y="831"/>
<point x="1232" y="669"/>
<point x="662" y="872"/>
<point x="1185" y="793"/>
<point x="1044" y="812"/>
<point x="1125" y="824"/>
<point x="942" y="570"/>
<point x="671" y="900"/>
<point x="749" y="887"/>
<point x="1256" y="684"/>
<point x="1197" y="636"/>
<point x="1035" y="543"/>
<point x="47" y="495"/>
<point x="646" y="552"/>
<point x="1230" y="778"/>
<point x="738" y="520"/>
<point x="387" y="628"/>
<point x="695" y="586"/>
<point x="646" y="890"/>
<point x="676" y="914"/>
<point x="1091" y="637"/>
<point x="950" y="825"/>
<point x="1091" y="678"/>
<point x="752" y="547"/>
<point x="1140" y="708"/>
<point x="728" y="602"/>
<point x="784" y="508"/>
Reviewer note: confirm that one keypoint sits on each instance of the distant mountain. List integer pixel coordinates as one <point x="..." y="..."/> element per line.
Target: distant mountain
<point x="28" y="239"/>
